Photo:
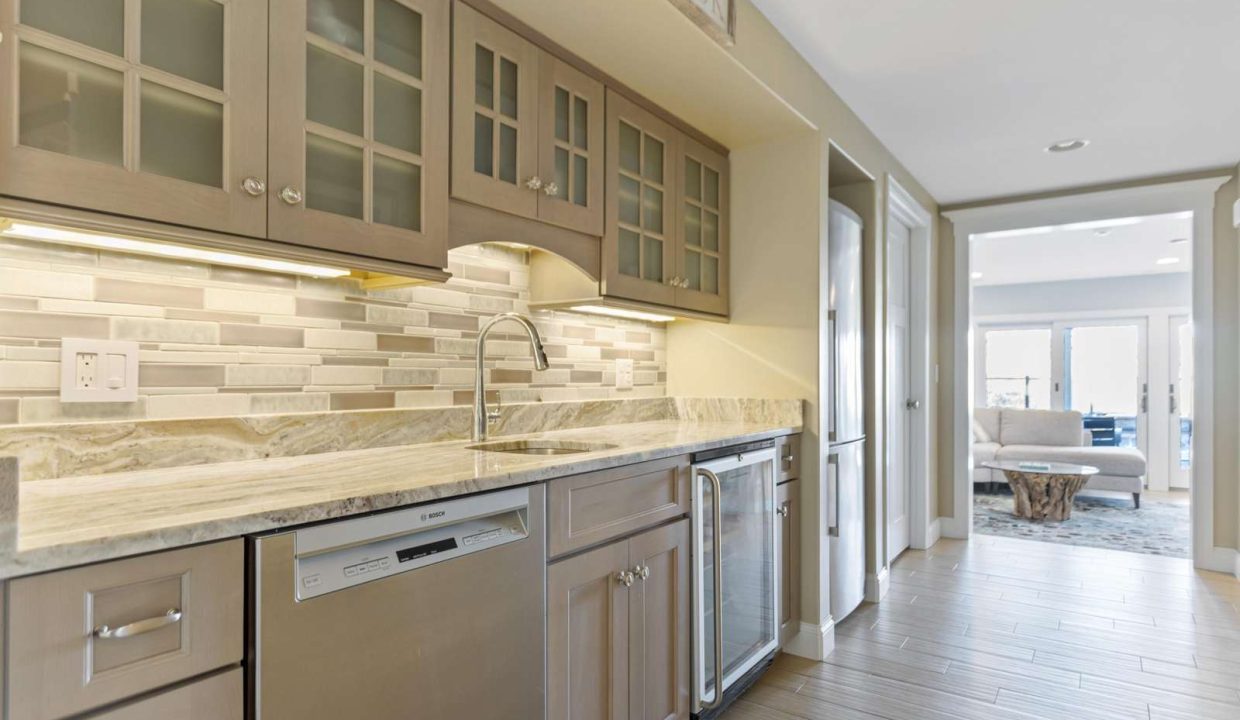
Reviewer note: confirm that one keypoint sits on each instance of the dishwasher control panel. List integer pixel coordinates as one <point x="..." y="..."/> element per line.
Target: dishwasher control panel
<point x="430" y="534"/>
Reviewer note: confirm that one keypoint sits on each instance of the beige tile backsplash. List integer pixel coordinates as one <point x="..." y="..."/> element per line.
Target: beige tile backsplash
<point x="219" y="341"/>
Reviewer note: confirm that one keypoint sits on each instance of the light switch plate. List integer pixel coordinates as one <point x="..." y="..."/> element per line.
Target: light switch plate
<point x="99" y="371"/>
<point x="1235" y="214"/>
<point x="624" y="373"/>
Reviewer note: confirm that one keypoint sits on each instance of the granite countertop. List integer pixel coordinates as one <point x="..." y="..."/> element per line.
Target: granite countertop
<point x="69" y="521"/>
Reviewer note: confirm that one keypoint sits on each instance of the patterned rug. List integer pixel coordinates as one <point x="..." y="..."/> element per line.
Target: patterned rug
<point x="1158" y="528"/>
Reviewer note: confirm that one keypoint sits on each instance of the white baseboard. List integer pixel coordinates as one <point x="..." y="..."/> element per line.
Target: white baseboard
<point x="950" y="527"/>
<point x="877" y="585"/>
<point x="1220" y="559"/>
<point x="813" y="642"/>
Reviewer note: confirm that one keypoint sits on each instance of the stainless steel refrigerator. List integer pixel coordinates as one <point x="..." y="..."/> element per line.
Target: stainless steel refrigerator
<point x="845" y="490"/>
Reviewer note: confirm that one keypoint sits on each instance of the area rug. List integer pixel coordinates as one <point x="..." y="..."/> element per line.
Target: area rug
<point x="1158" y="528"/>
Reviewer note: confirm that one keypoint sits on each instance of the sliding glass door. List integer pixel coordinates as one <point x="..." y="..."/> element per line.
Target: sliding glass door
<point x="1105" y="378"/>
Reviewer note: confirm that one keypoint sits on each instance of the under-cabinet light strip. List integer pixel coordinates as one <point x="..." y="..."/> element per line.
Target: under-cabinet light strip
<point x="64" y="236"/>
<point x="621" y="313"/>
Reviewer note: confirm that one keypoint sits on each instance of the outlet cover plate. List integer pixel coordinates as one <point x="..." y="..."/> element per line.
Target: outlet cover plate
<point x="98" y="371"/>
<point x="624" y="373"/>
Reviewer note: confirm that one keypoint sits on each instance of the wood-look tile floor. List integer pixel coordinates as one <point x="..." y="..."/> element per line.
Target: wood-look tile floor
<point x="1012" y="629"/>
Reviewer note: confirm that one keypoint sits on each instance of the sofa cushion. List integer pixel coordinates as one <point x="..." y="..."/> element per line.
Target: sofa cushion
<point x="1109" y="460"/>
<point x="984" y="452"/>
<point x="1041" y="427"/>
<point x="987" y="421"/>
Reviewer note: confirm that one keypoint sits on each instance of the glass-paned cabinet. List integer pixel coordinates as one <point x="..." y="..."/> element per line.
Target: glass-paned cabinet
<point x="151" y="108"/>
<point x="702" y="264"/>
<point x="639" y="261"/>
<point x="527" y="128"/>
<point x="359" y="129"/>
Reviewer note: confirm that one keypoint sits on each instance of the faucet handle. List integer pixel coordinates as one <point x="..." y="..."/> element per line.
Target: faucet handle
<point x="495" y="412"/>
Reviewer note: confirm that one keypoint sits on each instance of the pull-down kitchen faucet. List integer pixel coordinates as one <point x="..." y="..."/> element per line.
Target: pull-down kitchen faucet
<point x="481" y="417"/>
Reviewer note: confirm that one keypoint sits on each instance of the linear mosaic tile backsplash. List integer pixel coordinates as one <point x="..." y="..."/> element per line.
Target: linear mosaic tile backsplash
<point x="219" y="341"/>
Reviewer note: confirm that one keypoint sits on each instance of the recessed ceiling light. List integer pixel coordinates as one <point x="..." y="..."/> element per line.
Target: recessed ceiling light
<point x="1167" y="261"/>
<point x="976" y="275"/>
<point x="1102" y="232"/>
<point x="1067" y="145"/>
<point x="1178" y="241"/>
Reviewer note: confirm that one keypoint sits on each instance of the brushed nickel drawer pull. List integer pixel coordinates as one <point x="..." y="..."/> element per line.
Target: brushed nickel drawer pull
<point x="141" y="627"/>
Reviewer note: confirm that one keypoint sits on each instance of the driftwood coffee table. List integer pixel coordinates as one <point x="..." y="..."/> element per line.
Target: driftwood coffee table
<point x="1043" y="491"/>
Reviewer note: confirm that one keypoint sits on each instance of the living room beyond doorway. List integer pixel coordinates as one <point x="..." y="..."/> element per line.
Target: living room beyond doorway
<point x="1083" y="383"/>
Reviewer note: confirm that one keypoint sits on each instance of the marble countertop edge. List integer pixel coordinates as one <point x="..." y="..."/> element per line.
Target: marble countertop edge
<point x="83" y="519"/>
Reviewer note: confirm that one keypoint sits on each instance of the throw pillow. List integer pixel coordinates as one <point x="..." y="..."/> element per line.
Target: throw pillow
<point x="979" y="433"/>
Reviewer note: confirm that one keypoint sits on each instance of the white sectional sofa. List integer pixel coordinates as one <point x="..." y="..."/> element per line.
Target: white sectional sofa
<point x="1052" y="436"/>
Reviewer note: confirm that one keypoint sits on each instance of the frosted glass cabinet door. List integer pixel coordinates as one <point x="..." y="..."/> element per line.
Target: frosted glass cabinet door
<point x="570" y="147"/>
<point x="359" y="127"/>
<point x="702" y="230"/>
<point x="155" y="109"/>
<point x="494" y="115"/>
<point x="642" y="179"/>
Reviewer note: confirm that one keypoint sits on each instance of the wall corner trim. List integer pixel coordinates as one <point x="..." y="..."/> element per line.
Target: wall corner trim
<point x="813" y="642"/>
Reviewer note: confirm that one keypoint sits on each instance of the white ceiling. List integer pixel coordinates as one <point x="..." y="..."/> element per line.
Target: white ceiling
<point x="1131" y="246"/>
<point x="967" y="93"/>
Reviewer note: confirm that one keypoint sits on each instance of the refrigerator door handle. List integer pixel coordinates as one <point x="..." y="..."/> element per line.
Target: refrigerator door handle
<point x="832" y="375"/>
<point x="833" y="494"/>
<point x="717" y="552"/>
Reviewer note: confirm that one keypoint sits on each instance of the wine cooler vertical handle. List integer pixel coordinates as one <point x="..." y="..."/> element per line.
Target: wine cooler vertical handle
<point x="717" y="547"/>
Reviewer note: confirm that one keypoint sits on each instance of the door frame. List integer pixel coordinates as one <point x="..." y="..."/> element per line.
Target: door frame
<point x="924" y="528"/>
<point x="1197" y="196"/>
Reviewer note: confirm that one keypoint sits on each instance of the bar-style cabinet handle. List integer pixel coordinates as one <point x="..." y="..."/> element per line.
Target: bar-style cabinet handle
<point x="141" y="627"/>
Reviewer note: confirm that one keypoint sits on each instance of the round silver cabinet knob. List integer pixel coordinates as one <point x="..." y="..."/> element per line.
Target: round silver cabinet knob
<point x="253" y="186"/>
<point x="534" y="183"/>
<point x="290" y="195"/>
<point x="551" y="188"/>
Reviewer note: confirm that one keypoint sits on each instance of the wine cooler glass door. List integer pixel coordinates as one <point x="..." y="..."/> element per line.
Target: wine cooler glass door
<point x="746" y="535"/>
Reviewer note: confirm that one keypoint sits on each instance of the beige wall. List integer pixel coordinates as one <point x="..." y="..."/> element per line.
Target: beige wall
<point x="944" y="332"/>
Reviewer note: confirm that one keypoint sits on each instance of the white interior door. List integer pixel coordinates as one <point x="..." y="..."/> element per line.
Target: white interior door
<point x="1180" y="402"/>
<point x="899" y="403"/>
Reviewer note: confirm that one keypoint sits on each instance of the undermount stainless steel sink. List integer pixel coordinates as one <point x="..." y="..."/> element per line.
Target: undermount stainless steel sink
<point x="540" y="447"/>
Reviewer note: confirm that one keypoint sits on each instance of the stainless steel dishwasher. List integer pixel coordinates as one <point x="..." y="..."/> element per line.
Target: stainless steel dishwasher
<point x="427" y="613"/>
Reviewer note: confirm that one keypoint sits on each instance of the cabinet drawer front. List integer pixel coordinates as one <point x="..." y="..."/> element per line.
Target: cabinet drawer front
<point x="588" y="509"/>
<point x="789" y="450"/>
<point x="92" y="635"/>
<point x="218" y="697"/>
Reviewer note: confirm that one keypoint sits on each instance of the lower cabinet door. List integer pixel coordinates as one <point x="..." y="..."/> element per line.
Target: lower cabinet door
<point x="218" y="697"/>
<point x="789" y="545"/>
<point x="659" y="622"/>
<point x="588" y="598"/>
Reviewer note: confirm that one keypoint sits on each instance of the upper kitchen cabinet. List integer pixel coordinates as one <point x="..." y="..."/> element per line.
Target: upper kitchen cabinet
<point x="638" y="257"/>
<point x="149" y="108"/>
<point x="527" y="128"/>
<point x="702" y="227"/>
<point x="359" y="127"/>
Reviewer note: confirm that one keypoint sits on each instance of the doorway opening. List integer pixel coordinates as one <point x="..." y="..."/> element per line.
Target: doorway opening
<point x="1183" y="451"/>
<point x="1083" y="349"/>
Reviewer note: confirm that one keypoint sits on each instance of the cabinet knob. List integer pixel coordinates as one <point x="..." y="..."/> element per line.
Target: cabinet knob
<point x="641" y="571"/>
<point x="253" y="186"/>
<point x="625" y="578"/>
<point x="534" y="183"/>
<point x="290" y="195"/>
<point x="551" y="188"/>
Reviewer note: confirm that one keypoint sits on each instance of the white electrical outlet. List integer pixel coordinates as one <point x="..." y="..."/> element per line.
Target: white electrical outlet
<point x="98" y="371"/>
<point x="624" y="373"/>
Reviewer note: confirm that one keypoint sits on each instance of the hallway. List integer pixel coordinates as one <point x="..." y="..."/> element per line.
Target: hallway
<point x="999" y="628"/>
